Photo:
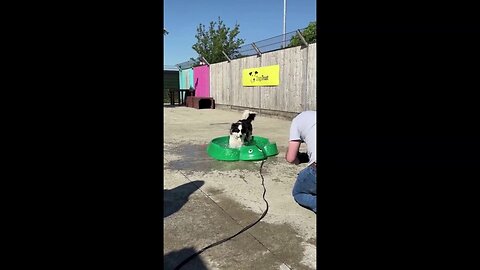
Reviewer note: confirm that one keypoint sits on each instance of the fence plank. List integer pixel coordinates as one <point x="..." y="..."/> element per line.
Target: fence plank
<point x="312" y="78"/>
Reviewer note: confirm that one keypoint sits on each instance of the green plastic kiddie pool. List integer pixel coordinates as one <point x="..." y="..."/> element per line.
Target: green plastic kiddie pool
<point x="258" y="149"/>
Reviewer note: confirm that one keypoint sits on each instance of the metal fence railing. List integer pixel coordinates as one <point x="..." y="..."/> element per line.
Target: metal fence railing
<point x="287" y="40"/>
<point x="268" y="45"/>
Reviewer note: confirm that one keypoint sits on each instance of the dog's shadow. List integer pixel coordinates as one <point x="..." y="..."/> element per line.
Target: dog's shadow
<point x="174" y="199"/>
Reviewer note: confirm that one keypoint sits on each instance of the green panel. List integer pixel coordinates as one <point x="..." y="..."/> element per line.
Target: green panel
<point x="170" y="81"/>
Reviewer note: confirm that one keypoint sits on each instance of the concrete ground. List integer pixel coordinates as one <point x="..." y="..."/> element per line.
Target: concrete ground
<point x="207" y="200"/>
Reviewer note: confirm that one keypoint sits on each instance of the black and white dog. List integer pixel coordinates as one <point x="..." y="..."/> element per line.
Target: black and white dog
<point x="242" y="130"/>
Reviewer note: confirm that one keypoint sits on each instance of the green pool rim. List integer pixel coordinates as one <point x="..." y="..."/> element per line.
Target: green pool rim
<point x="218" y="149"/>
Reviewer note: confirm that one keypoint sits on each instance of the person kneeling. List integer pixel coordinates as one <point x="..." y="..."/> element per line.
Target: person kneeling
<point x="303" y="130"/>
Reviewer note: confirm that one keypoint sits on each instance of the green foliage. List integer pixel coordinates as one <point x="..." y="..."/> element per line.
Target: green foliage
<point x="218" y="38"/>
<point x="310" y="35"/>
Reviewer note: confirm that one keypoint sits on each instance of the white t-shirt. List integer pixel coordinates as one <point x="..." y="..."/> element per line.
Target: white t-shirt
<point x="304" y="128"/>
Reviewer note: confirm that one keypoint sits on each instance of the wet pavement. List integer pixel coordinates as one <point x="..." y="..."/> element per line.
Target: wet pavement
<point x="206" y="200"/>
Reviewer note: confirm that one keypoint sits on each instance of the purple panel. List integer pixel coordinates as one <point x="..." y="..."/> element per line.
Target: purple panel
<point x="201" y="81"/>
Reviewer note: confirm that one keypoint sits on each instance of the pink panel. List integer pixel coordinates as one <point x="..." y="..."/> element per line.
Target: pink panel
<point x="201" y="81"/>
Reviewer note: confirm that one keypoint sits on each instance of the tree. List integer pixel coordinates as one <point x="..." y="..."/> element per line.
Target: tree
<point x="218" y="38"/>
<point x="310" y="35"/>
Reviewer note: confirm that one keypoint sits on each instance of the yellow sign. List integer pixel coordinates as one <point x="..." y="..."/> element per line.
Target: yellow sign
<point x="261" y="76"/>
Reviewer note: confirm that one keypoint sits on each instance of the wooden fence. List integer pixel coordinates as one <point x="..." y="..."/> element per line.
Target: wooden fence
<point x="297" y="89"/>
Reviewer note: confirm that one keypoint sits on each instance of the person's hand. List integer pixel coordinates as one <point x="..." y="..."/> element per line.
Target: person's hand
<point x="303" y="157"/>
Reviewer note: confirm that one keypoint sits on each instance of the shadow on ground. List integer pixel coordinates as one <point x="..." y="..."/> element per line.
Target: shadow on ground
<point x="172" y="106"/>
<point x="174" y="258"/>
<point x="174" y="199"/>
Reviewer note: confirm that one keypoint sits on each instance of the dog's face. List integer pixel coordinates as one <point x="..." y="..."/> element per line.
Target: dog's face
<point x="236" y="129"/>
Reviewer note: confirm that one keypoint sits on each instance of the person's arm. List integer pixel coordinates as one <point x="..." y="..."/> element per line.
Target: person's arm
<point x="292" y="151"/>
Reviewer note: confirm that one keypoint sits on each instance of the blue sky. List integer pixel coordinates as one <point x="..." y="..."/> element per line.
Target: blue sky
<point x="258" y="20"/>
